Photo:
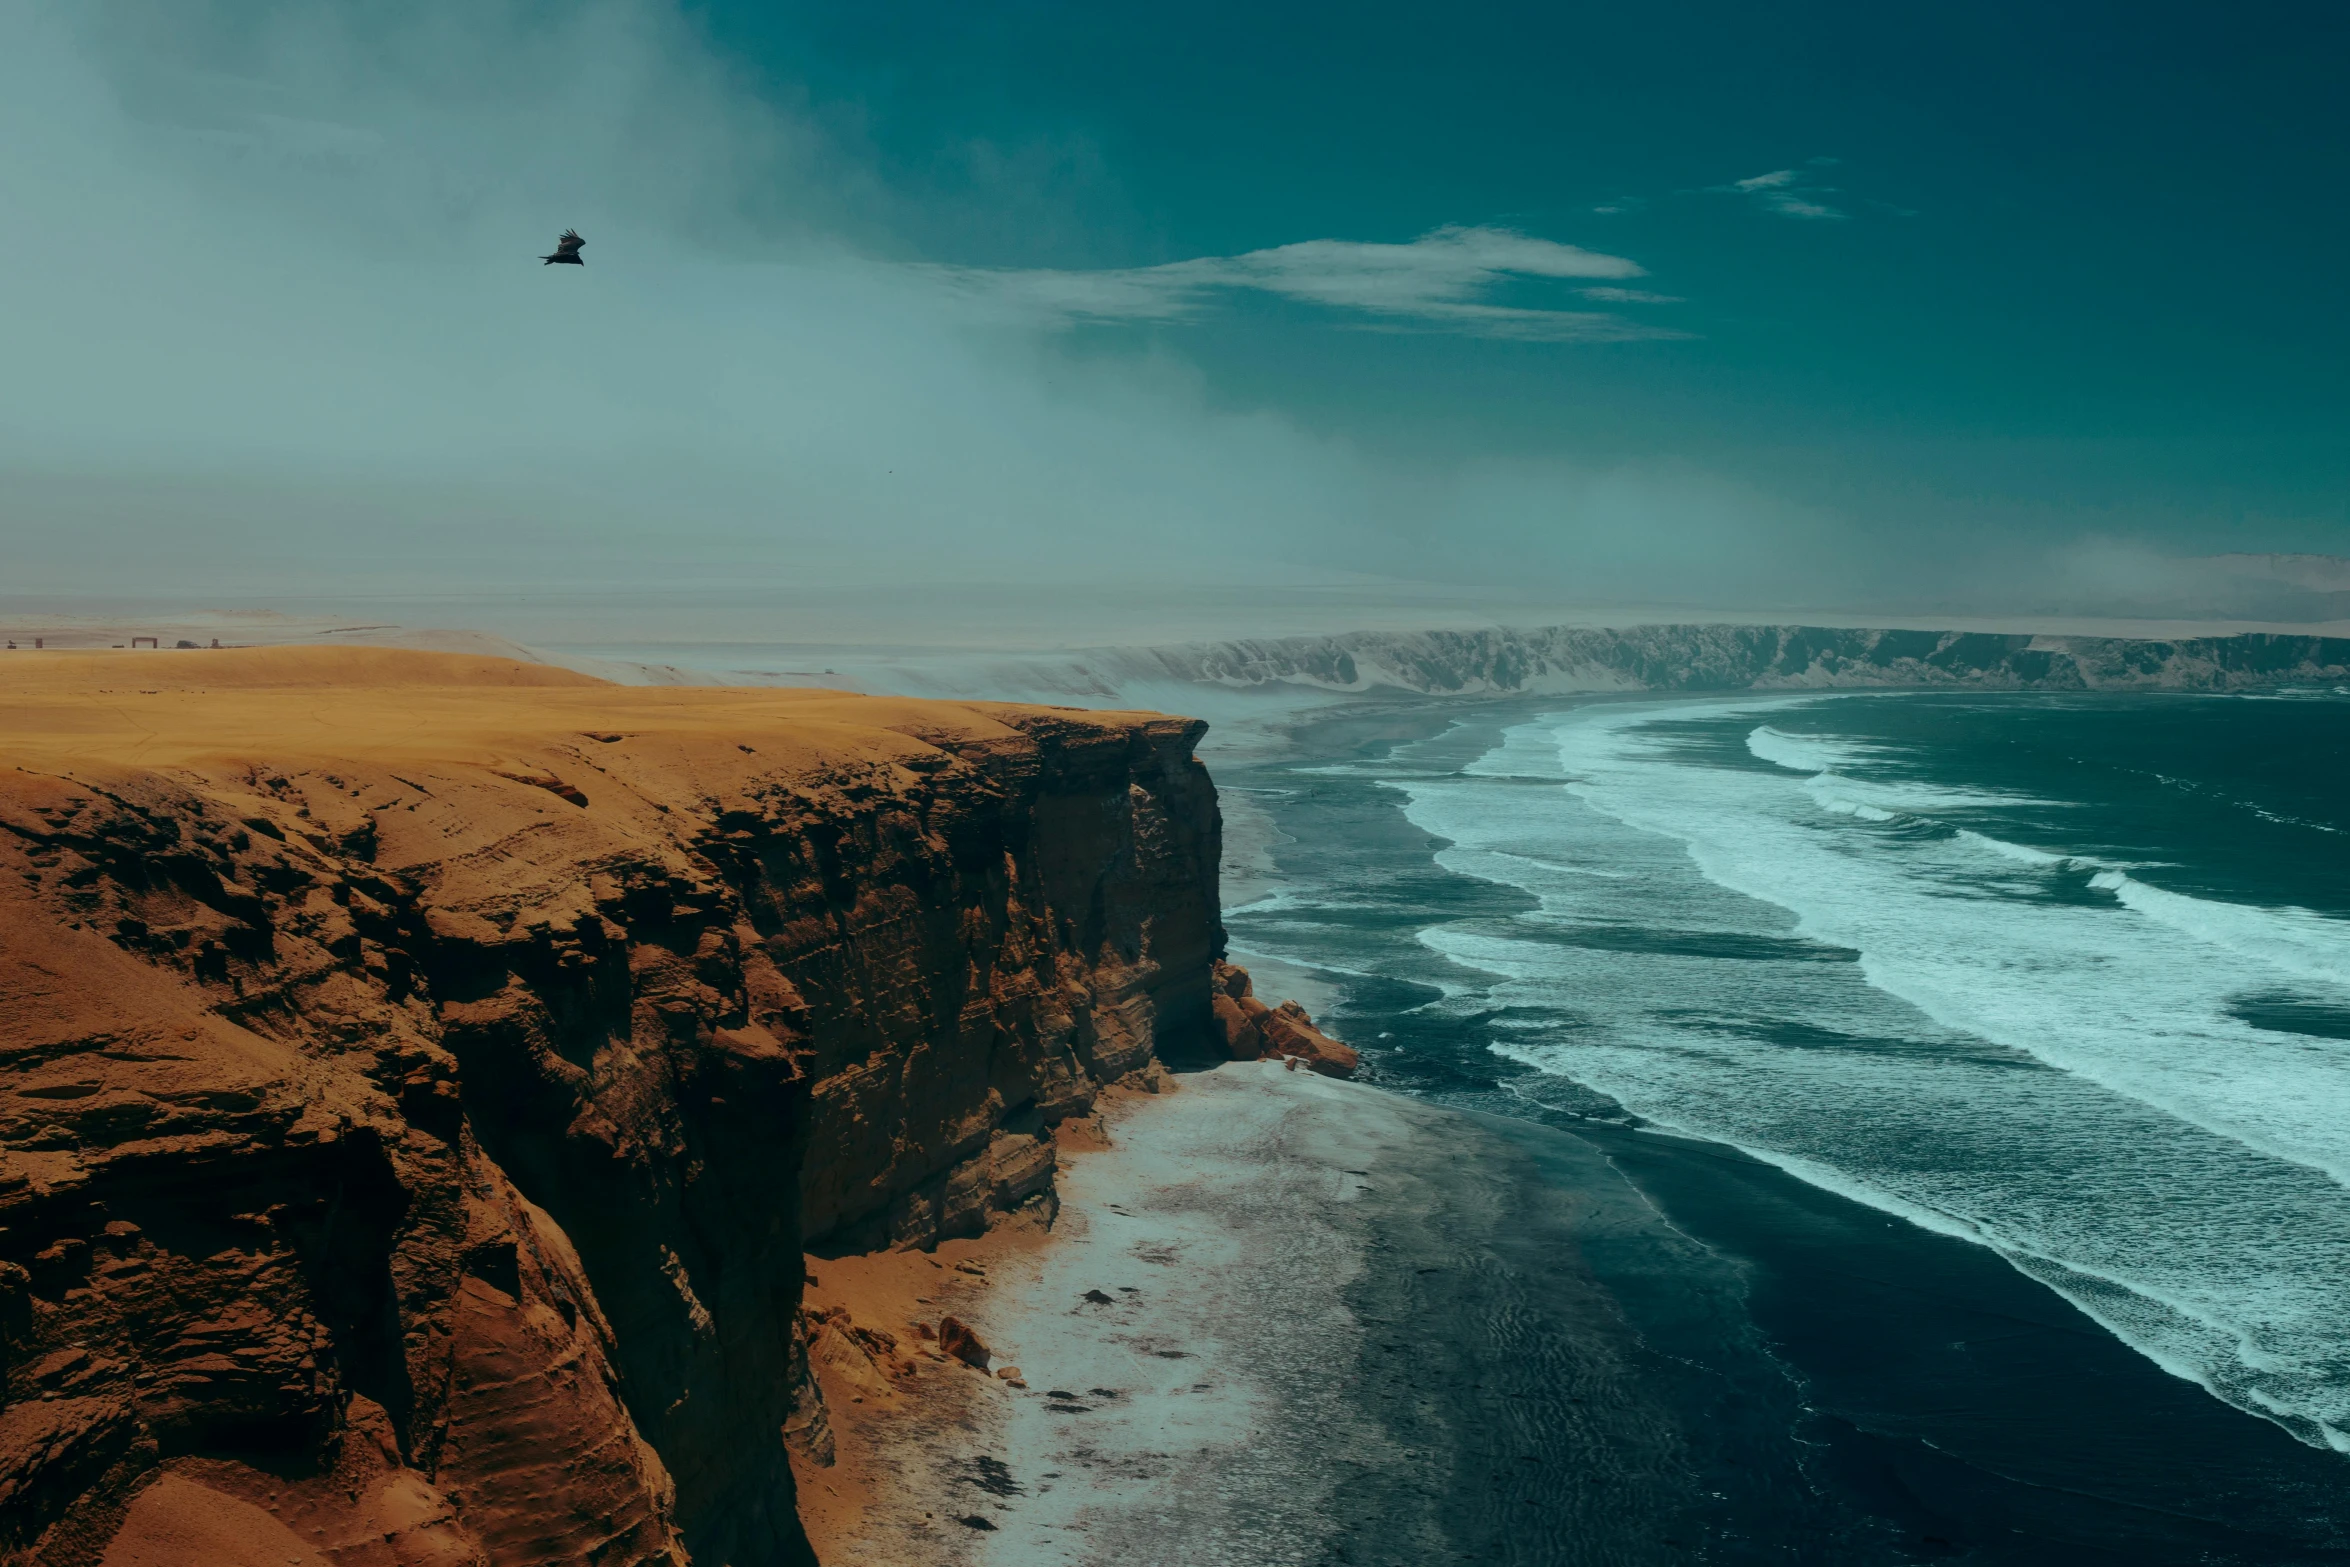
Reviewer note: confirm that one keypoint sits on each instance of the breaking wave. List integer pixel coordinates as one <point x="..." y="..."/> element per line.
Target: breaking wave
<point x="2030" y="1042"/>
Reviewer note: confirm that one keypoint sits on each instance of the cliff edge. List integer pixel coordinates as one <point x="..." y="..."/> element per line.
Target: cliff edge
<point x="423" y="1074"/>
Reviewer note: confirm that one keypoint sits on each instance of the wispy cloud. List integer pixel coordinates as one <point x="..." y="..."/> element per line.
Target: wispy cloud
<point x="1444" y="281"/>
<point x="1629" y="296"/>
<point x="1788" y="192"/>
<point x="1796" y="192"/>
<point x="355" y="374"/>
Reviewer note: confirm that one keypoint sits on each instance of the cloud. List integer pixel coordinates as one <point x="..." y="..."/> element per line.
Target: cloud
<point x="1788" y="193"/>
<point x="1439" y="282"/>
<point x="1629" y="296"/>
<point x="294" y="338"/>
<point x="1785" y="192"/>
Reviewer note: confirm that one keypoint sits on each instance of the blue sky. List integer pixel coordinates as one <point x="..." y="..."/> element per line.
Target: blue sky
<point x="1823" y="303"/>
<point x="1970" y="234"/>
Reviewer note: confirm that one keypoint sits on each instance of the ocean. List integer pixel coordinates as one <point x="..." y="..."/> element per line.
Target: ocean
<point x="2022" y="1021"/>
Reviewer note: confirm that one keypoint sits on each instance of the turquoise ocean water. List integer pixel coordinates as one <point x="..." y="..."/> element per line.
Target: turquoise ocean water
<point x="2067" y="978"/>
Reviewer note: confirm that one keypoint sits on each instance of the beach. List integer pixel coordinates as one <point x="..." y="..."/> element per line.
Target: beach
<point x="1476" y="1305"/>
<point x="1340" y="1325"/>
<point x="1467" y="1311"/>
<point x="1939" y="1400"/>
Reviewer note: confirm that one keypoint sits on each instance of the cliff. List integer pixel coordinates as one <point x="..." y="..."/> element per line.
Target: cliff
<point x="423" y="1074"/>
<point x="1673" y="658"/>
<point x="1695" y="657"/>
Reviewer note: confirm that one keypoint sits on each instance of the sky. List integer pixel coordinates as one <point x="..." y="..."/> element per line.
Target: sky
<point x="1821" y="305"/>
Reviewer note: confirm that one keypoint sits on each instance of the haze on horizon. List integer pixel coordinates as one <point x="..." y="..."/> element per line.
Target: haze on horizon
<point x="1974" y="309"/>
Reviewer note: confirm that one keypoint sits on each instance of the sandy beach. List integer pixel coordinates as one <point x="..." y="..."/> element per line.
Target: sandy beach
<point x="1281" y="1319"/>
<point x="1284" y="1320"/>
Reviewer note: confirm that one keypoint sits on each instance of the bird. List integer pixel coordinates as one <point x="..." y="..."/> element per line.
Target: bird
<point x="566" y="250"/>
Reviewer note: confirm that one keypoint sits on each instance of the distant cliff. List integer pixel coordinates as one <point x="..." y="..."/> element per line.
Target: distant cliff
<point x="1733" y="658"/>
<point x="1544" y="660"/>
<point x="419" y="1077"/>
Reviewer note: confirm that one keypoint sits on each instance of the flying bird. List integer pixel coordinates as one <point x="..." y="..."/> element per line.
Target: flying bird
<point x="566" y="250"/>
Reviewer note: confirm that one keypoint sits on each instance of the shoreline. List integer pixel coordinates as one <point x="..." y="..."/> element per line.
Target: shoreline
<point x="1347" y="1325"/>
<point x="1965" y="1410"/>
<point x="1340" y="1325"/>
<point x="424" y="1070"/>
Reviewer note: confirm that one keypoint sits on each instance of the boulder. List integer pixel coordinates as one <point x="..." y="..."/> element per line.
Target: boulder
<point x="1242" y="1040"/>
<point x="1252" y="1031"/>
<point x="957" y="1339"/>
<point x="1290" y="1032"/>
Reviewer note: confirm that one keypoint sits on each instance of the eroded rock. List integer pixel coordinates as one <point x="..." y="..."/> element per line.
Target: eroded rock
<point x="956" y="1338"/>
<point x="1252" y="1031"/>
<point x="455" y="1137"/>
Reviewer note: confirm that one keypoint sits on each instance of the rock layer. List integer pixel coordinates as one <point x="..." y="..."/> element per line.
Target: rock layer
<point x="419" y="1076"/>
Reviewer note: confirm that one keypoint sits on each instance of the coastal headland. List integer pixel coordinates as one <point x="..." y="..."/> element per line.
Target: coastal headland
<point x="460" y="1111"/>
<point x="424" y="1075"/>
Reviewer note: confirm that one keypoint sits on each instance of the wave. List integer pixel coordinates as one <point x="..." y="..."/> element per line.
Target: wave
<point x="2042" y="859"/>
<point x="1808" y="753"/>
<point x="1567" y="870"/>
<point x="1239" y="950"/>
<point x="2120" y="1305"/>
<point x="2293" y="821"/>
<point x="1526" y="753"/>
<point x="2022" y="854"/>
<point x="1836" y="801"/>
<point x="1831" y="764"/>
<point x="2300" y="942"/>
<point x="2006" y="1061"/>
<point x="1848" y="796"/>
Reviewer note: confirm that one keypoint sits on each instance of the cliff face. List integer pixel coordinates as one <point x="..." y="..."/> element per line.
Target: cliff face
<point x="1544" y="660"/>
<point x="422" y="1075"/>
<point x="1736" y="658"/>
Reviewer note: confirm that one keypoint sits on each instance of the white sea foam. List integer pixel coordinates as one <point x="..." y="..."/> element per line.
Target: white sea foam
<point x="1526" y="751"/>
<point x="2022" y="854"/>
<point x="2298" y="942"/>
<point x="1567" y="870"/>
<point x="1290" y="900"/>
<point x="1808" y="753"/>
<point x="1834" y="766"/>
<point x="1267" y="903"/>
<point x="1844" y="798"/>
<point x="1919" y="1078"/>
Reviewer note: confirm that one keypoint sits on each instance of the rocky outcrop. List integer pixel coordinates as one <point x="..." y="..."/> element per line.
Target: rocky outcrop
<point x="419" y="1077"/>
<point x="1251" y="1031"/>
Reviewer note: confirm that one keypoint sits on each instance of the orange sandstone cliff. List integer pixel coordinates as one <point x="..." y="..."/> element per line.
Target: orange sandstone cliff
<point x="420" y="1075"/>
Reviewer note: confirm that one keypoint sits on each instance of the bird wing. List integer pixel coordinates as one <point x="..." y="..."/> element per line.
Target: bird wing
<point x="569" y="244"/>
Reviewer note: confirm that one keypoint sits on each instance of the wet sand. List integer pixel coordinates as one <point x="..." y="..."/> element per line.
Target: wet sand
<point x="1416" y="1332"/>
<point x="1341" y="1325"/>
<point x="1973" y="1413"/>
<point x="1919" y="1400"/>
<point x="1346" y="1326"/>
